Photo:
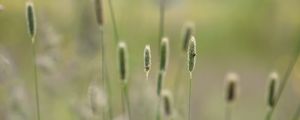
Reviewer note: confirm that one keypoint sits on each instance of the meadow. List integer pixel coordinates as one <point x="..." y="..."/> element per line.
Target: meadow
<point x="149" y="59"/>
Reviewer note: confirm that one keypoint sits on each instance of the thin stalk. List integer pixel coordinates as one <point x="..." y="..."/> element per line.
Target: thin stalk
<point x="36" y="82"/>
<point x="228" y="113"/>
<point x="161" y="20"/>
<point x="190" y="96"/>
<point x="113" y="17"/>
<point x="285" y="80"/>
<point x="177" y="79"/>
<point x="158" y="109"/>
<point x="105" y="77"/>
<point x="127" y="101"/>
<point x="297" y="114"/>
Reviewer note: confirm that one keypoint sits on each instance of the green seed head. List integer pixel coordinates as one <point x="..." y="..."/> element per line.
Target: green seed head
<point x="99" y="12"/>
<point x="30" y="15"/>
<point x="160" y="82"/>
<point x="231" y="87"/>
<point x="164" y="53"/>
<point x="273" y="79"/>
<point x="187" y="33"/>
<point x="147" y="58"/>
<point x="167" y="103"/>
<point x="192" y="54"/>
<point x="122" y="52"/>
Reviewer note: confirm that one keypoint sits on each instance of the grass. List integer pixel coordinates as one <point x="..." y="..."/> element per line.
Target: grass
<point x="284" y="81"/>
<point x="31" y="22"/>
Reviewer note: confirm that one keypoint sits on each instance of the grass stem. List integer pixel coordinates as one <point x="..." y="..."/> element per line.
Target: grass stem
<point x="190" y="96"/>
<point x="105" y="77"/>
<point x="297" y="114"/>
<point x="285" y="80"/>
<point x="114" y="22"/>
<point x="36" y="82"/>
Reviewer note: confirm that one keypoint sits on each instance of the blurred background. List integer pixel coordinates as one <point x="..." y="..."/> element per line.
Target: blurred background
<point x="249" y="37"/>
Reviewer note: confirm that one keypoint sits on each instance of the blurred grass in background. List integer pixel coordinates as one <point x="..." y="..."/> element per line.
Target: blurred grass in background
<point x="250" y="37"/>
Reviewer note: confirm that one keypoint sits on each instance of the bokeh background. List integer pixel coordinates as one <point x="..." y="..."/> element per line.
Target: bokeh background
<point x="250" y="37"/>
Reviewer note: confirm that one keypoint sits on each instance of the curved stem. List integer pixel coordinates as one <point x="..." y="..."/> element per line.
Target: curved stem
<point x="285" y="79"/>
<point x="36" y="82"/>
<point x="161" y="20"/>
<point x="113" y="17"/>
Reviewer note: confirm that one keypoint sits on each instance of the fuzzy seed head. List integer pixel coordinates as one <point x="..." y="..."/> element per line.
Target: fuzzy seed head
<point x="123" y="59"/>
<point x="192" y="54"/>
<point x="231" y="87"/>
<point x="147" y="58"/>
<point x="273" y="79"/>
<point x="97" y="98"/>
<point x="160" y="82"/>
<point x="167" y="103"/>
<point x="31" y="21"/>
<point x="187" y="34"/>
<point x="164" y="53"/>
<point x="99" y="12"/>
<point x="1" y="7"/>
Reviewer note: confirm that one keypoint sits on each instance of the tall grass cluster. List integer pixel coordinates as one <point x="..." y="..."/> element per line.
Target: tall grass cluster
<point x="166" y="101"/>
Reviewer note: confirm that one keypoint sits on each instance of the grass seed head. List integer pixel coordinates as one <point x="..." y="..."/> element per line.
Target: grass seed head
<point x="147" y="58"/>
<point x="1" y="7"/>
<point x="273" y="81"/>
<point x="123" y="59"/>
<point x="164" y="53"/>
<point x="160" y="82"/>
<point x="31" y="21"/>
<point x="97" y="98"/>
<point x="99" y="12"/>
<point x="167" y="103"/>
<point x="231" y="87"/>
<point x="187" y="32"/>
<point x="192" y="54"/>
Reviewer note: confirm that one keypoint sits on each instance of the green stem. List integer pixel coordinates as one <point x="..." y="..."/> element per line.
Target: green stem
<point x="36" y="82"/>
<point x="227" y="113"/>
<point x="104" y="72"/>
<point x="161" y="20"/>
<point x="125" y="100"/>
<point x="113" y="21"/>
<point x="297" y="114"/>
<point x="285" y="79"/>
<point x="177" y="79"/>
<point x="158" y="109"/>
<point x="190" y="95"/>
<point x="126" y="93"/>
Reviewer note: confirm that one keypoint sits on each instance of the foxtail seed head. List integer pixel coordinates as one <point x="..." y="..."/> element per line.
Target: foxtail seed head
<point x="164" y="53"/>
<point x="187" y="33"/>
<point x="167" y="103"/>
<point x="31" y="21"/>
<point x="160" y="82"/>
<point x="231" y="87"/>
<point x="1" y="7"/>
<point x="147" y="58"/>
<point x="273" y="79"/>
<point x="122" y="52"/>
<point x="99" y="12"/>
<point x="97" y="98"/>
<point x="192" y="54"/>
